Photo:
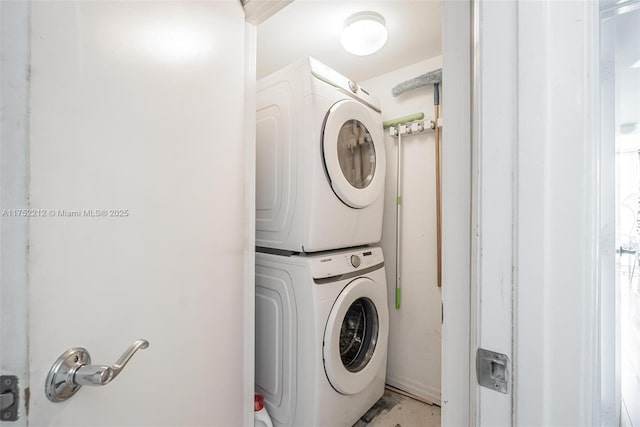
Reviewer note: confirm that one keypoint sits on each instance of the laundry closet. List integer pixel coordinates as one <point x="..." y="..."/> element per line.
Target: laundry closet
<point x="348" y="296"/>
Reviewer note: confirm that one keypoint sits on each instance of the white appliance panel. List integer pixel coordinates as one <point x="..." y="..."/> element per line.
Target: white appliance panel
<point x="275" y="369"/>
<point x="315" y="401"/>
<point x="298" y="209"/>
<point x="276" y="155"/>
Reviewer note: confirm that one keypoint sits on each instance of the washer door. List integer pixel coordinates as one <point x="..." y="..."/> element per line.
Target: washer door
<point x="355" y="338"/>
<point x="353" y="153"/>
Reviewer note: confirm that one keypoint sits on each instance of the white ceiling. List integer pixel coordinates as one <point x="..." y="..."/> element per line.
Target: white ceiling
<point x="313" y="27"/>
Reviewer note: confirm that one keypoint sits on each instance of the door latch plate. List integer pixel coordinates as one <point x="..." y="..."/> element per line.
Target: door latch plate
<point x="492" y="370"/>
<point x="9" y="395"/>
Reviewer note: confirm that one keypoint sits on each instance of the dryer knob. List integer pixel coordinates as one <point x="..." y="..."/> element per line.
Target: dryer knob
<point x="355" y="261"/>
<point x="353" y="86"/>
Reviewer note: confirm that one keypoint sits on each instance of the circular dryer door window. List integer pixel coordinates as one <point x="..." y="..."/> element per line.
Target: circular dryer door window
<point x="356" y="154"/>
<point x="355" y="338"/>
<point x="353" y="152"/>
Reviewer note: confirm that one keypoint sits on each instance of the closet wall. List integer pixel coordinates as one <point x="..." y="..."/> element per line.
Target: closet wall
<point x="415" y="329"/>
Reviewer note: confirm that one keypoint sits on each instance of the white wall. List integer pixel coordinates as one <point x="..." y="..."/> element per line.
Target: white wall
<point x="415" y="332"/>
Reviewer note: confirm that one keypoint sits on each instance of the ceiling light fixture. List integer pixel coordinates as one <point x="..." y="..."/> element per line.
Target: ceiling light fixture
<point x="364" y="33"/>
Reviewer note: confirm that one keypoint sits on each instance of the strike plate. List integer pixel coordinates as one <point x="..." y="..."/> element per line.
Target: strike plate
<point x="9" y="398"/>
<point x="492" y="370"/>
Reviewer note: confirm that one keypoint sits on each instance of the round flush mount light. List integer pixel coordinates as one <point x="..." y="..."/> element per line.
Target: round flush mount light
<point x="364" y="33"/>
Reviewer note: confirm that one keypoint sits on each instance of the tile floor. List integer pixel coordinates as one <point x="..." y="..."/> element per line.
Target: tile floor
<point x="395" y="410"/>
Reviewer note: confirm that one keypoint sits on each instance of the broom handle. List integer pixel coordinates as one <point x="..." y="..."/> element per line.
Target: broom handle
<point x="436" y="106"/>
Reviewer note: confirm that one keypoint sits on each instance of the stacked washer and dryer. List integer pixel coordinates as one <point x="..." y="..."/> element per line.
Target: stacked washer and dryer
<point x="322" y="318"/>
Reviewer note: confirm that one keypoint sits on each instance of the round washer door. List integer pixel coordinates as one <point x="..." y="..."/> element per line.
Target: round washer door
<point x="355" y="338"/>
<point x="353" y="152"/>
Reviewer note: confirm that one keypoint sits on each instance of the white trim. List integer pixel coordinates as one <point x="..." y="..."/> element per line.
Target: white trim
<point x="537" y="112"/>
<point x="429" y="393"/>
<point x="258" y="11"/>
<point x="598" y="246"/>
<point x="14" y="167"/>
<point x="250" y="55"/>
<point x="456" y="213"/>
<point x="557" y="270"/>
<point x="494" y="177"/>
<point x="611" y="388"/>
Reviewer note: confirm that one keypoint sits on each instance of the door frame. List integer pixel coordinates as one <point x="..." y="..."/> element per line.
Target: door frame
<point x="558" y="235"/>
<point x="14" y="181"/>
<point x="561" y="234"/>
<point x="457" y="324"/>
<point x="250" y="55"/>
<point x="560" y="230"/>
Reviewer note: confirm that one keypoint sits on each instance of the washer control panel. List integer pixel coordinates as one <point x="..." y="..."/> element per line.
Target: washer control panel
<point x="338" y="263"/>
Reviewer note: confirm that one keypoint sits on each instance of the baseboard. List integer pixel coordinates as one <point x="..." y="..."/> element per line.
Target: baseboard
<point x="423" y="392"/>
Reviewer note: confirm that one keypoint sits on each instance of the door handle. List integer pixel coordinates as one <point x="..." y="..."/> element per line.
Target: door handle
<point x="73" y="369"/>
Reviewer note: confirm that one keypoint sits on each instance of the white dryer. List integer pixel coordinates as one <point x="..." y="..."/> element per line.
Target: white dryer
<point x="320" y="162"/>
<point x="321" y="336"/>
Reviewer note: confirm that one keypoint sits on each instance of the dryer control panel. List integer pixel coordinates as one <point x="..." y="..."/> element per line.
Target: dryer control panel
<point x="332" y="264"/>
<point x="335" y="79"/>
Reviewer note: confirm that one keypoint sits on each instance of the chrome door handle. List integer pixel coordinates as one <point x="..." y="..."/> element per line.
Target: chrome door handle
<point x="103" y="375"/>
<point x="72" y="370"/>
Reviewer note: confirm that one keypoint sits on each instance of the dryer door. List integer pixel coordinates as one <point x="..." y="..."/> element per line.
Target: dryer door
<point x="355" y="338"/>
<point x="353" y="152"/>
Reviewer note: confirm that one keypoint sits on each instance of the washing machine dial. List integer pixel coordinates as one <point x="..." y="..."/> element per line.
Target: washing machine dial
<point x="354" y="88"/>
<point x="355" y="261"/>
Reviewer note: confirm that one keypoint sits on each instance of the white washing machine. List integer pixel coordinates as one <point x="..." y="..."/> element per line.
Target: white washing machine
<point x="321" y="336"/>
<point x="320" y="162"/>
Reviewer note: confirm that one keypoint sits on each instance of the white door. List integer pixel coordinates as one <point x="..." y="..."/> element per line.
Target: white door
<point x="136" y="182"/>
